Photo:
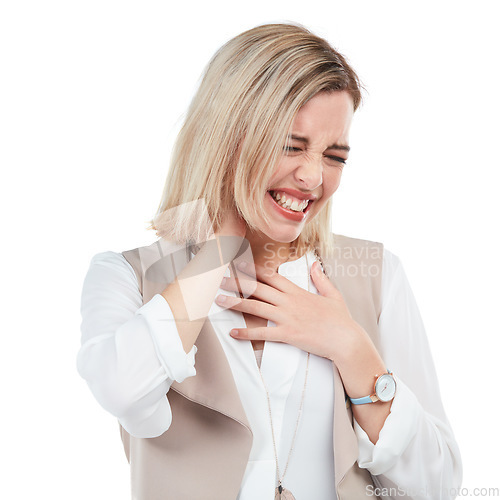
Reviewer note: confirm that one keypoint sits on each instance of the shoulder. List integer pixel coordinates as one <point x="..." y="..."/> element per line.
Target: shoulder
<point x="392" y="263"/>
<point x="344" y="240"/>
<point x="110" y="281"/>
<point x="126" y="259"/>
<point x="351" y="246"/>
<point x="361" y="251"/>
<point x="109" y="259"/>
<point x="348" y="248"/>
<point x="110" y="263"/>
<point x="161" y="246"/>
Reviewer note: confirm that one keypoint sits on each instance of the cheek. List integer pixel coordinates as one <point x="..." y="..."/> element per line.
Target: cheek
<point x="331" y="182"/>
<point x="281" y="170"/>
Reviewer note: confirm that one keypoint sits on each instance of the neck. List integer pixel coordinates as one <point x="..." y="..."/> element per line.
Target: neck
<point x="269" y="253"/>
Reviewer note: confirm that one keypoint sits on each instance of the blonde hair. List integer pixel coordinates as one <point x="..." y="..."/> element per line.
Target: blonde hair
<point x="236" y="126"/>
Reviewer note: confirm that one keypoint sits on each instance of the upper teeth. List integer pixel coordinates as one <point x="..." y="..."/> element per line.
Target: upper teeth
<point x="288" y="202"/>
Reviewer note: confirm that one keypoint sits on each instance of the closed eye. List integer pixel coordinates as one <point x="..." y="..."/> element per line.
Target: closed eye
<point x="337" y="158"/>
<point x="293" y="149"/>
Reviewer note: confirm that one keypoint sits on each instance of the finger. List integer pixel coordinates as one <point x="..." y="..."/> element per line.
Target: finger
<point x="250" y="306"/>
<point x="324" y="286"/>
<point x="251" y="288"/>
<point x="261" y="333"/>
<point x="268" y="276"/>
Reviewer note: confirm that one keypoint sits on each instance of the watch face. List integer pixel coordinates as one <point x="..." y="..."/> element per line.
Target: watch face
<point x="385" y="388"/>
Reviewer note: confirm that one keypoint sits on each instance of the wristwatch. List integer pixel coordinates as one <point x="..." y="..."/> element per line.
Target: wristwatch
<point x="384" y="390"/>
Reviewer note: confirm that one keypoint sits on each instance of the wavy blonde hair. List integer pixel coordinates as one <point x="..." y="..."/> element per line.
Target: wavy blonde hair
<point x="237" y="124"/>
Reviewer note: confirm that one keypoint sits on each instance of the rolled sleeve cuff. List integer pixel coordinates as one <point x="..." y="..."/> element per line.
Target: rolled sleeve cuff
<point x="168" y="345"/>
<point x="397" y="432"/>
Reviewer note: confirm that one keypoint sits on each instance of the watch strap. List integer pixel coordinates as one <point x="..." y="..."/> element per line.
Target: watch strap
<point x="366" y="399"/>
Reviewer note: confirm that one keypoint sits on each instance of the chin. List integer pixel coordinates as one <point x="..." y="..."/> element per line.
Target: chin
<point x="282" y="234"/>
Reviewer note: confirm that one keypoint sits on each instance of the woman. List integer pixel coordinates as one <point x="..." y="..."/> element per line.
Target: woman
<point x="306" y="384"/>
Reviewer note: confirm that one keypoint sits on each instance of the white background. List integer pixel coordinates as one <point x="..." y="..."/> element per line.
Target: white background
<point x="92" y="95"/>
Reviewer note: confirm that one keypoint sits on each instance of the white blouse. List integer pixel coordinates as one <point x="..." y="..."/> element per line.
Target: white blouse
<point x="129" y="359"/>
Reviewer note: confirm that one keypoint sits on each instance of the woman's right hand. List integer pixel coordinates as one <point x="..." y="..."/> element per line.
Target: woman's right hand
<point x="191" y="303"/>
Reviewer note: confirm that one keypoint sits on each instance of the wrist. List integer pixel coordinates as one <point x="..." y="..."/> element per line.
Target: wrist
<point x="354" y="341"/>
<point x="384" y="389"/>
<point x="362" y="383"/>
<point x="359" y="363"/>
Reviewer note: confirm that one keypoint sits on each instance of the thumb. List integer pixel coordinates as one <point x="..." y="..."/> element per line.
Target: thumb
<point x="321" y="282"/>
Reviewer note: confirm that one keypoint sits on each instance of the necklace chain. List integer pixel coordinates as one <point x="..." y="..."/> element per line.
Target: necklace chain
<point x="296" y="425"/>
<point x="280" y="479"/>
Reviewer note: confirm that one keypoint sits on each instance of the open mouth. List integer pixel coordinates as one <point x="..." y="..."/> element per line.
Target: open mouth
<point x="290" y="204"/>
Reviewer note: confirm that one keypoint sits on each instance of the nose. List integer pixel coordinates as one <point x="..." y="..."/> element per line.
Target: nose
<point x="309" y="171"/>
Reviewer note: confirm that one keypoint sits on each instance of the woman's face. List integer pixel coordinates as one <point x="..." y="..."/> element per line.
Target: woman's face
<point x="311" y="165"/>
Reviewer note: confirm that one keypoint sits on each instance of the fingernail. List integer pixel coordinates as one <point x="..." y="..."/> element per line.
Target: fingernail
<point x="221" y="298"/>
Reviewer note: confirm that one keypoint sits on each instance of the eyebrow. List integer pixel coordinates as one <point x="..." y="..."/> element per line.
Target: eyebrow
<point x="305" y="140"/>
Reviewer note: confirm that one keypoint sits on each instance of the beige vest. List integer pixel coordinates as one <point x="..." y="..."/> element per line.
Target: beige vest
<point x="204" y="453"/>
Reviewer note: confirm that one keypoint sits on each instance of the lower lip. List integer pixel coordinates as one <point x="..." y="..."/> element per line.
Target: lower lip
<point x="290" y="214"/>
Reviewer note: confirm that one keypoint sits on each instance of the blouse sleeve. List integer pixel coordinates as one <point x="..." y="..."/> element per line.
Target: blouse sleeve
<point x="130" y="353"/>
<point x="416" y="454"/>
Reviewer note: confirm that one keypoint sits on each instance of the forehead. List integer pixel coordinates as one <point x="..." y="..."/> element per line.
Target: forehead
<point x="327" y="115"/>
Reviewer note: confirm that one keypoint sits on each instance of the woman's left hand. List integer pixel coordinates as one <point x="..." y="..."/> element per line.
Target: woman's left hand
<point x="319" y="324"/>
